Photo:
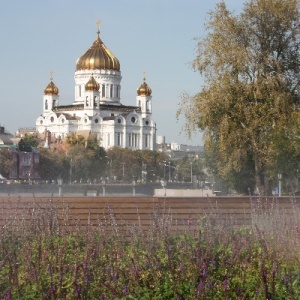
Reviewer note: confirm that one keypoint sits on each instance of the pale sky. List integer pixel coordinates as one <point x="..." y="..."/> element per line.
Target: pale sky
<point x="156" y="36"/>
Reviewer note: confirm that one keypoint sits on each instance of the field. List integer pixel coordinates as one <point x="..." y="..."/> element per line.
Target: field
<point x="149" y="248"/>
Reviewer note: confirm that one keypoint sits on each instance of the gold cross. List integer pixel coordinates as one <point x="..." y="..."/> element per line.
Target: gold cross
<point x="51" y="75"/>
<point x="98" y="22"/>
<point x="145" y="73"/>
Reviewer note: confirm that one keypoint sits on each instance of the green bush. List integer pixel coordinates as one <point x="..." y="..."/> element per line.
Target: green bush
<point x="212" y="262"/>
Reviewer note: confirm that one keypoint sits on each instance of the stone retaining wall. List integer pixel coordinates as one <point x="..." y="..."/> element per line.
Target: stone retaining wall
<point x="138" y="212"/>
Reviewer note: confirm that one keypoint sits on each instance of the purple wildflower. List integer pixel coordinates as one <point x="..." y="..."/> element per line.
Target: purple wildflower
<point x="125" y="290"/>
<point x="8" y="294"/>
<point x="201" y="287"/>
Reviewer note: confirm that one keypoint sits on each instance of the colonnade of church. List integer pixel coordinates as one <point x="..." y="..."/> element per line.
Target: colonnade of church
<point x="129" y="140"/>
<point x="107" y="91"/>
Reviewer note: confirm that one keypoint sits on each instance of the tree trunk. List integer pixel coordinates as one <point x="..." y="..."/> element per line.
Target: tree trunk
<point x="259" y="178"/>
<point x="262" y="181"/>
<point x="260" y="187"/>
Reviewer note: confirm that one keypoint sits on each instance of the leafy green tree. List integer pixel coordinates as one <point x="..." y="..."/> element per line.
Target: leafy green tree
<point x="30" y="140"/>
<point x="82" y="160"/>
<point x="188" y="166"/>
<point x="86" y="158"/>
<point x="52" y="164"/>
<point x="6" y="162"/>
<point x="143" y="165"/>
<point x="73" y="139"/>
<point x="248" y="105"/>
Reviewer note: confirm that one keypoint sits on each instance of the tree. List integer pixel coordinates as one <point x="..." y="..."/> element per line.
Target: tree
<point x="87" y="160"/>
<point x="52" y="164"/>
<point x="189" y="166"/>
<point x="6" y="162"/>
<point x="30" y="140"/>
<point x="81" y="159"/>
<point x="127" y="164"/>
<point x="73" y="139"/>
<point x="248" y="106"/>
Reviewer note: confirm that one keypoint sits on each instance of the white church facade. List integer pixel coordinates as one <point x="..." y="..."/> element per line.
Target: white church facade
<point x="97" y="109"/>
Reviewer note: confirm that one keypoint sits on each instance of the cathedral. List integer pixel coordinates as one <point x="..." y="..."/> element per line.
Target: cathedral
<point x="97" y="109"/>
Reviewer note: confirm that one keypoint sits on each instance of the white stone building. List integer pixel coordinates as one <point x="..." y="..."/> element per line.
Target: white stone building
<point x="97" y="107"/>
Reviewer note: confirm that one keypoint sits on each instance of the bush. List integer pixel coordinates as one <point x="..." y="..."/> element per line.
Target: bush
<point x="213" y="261"/>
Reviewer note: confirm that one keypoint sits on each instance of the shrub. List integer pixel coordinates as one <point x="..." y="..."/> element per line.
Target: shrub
<point x="215" y="260"/>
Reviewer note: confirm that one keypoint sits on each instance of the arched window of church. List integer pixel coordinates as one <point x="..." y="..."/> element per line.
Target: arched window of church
<point x="111" y="90"/>
<point x="46" y="104"/>
<point x="95" y="101"/>
<point x="103" y="90"/>
<point x="86" y="101"/>
<point x="53" y="103"/>
<point x="79" y="90"/>
<point x="139" y="103"/>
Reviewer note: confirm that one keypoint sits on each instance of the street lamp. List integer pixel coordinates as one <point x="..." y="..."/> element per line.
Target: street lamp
<point x="191" y="171"/>
<point x="123" y="169"/>
<point x="109" y="162"/>
<point x="133" y="187"/>
<point x="144" y="172"/>
<point x="110" y="171"/>
<point x="164" y="162"/>
<point x="201" y="182"/>
<point x="70" y="170"/>
<point x="279" y="184"/>
<point x="60" y="182"/>
<point x="164" y="185"/>
<point x="103" y="186"/>
<point x="297" y="187"/>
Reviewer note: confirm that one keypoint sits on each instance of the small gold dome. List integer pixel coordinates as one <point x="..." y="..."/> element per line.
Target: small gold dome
<point x="51" y="89"/>
<point x="144" y="89"/>
<point x="98" y="57"/>
<point x="92" y="84"/>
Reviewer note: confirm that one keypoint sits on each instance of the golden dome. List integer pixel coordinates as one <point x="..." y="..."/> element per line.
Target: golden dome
<point x="98" y="57"/>
<point x="92" y="85"/>
<point x="51" y="89"/>
<point x="144" y="89"/>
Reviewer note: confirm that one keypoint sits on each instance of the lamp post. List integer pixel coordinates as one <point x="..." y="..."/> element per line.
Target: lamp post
<point x="297" y="184"/>
<point x="123" y="170"/>
<point x="60" y="182"/>
<point x="169" y="172"/>
<point x="279" y="184"/>
<point x="133" y="187"/>
<point x="70" y="170"/>
<point x="201" y="182"/>
<point x="144" y="172"/>
<point x="191" y="172"/>
<point x="109" y="162"/>
<point x="110" y="169"/>
<point x="103" y="186"/>
<point x="164" y="185"/>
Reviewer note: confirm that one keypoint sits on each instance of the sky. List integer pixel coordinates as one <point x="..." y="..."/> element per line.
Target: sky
<point x="152" y="36"/>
